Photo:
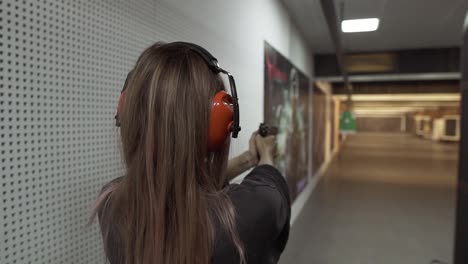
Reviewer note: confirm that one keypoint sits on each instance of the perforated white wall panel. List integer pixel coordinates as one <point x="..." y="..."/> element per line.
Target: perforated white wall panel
<point x="62" y="65"/>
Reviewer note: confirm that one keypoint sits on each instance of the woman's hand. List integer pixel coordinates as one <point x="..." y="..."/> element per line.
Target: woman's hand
<point x="266" y="147"/>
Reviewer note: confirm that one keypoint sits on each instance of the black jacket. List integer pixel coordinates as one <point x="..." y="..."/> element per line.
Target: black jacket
<point x="263" y="210"/>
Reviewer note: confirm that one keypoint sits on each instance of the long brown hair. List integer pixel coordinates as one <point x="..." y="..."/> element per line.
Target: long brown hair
<point x="165" y="209"/>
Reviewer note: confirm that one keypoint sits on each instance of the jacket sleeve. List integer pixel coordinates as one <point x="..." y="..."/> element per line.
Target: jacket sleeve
<point x="274" y="198"/>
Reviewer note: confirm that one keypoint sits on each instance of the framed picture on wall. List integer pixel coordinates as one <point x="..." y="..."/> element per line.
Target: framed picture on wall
<point x="319" y="118"/>
<point x="287" y="104"/>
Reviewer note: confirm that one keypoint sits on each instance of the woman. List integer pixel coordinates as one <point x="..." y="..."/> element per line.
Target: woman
<point x="173" y="205"/>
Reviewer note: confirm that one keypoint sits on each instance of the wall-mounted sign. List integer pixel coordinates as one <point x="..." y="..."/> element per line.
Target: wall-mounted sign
<point x="347" y="123"/>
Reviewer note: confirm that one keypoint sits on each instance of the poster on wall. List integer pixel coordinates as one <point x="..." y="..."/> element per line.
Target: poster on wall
<point x="287" y="105"/>
<point x="318" y="134"/>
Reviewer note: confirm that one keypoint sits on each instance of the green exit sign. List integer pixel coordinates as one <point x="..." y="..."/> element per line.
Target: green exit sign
<point x="347" y="123"/>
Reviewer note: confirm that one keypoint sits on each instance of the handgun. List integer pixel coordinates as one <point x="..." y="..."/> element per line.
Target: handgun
<point x="267" y="130"/>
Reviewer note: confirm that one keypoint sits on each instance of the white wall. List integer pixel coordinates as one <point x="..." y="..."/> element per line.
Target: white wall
<point x="63" y="66"/>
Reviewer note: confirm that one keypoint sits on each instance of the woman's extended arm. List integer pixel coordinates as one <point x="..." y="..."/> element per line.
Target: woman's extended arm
<point x="244" y="161"/>
<point x="240" y="164"/>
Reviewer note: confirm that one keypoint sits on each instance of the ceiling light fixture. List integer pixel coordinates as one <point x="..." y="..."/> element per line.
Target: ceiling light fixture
<point x="360" y="25"/>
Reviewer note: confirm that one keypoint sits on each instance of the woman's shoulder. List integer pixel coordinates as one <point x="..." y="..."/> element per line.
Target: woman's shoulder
<point x="111" y="185"/>
<point x="264" y="186"/>
<point x="262" y="199"/>
<point x="266" y="176"/>
<point x="104" y="199"/>
<point x="263" y="211"/>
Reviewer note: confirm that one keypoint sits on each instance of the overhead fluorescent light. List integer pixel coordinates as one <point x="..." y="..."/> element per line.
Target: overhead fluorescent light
<point x="360" y="25"/>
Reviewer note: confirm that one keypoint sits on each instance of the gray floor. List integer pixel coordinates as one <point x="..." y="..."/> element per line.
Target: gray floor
<point x="386" y="199"/>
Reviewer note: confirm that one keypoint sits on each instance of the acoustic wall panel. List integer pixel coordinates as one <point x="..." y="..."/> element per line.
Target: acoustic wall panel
<point x="62" y="66"/>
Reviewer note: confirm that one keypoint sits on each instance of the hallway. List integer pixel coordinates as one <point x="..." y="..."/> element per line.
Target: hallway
<point x="385" y="199"/>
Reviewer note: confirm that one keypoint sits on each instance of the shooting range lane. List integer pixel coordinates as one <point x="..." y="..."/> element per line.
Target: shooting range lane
<point x="386" y="198"/>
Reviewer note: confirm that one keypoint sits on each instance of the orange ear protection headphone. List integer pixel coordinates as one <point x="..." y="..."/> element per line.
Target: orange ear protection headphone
<point x="224" y="116"/>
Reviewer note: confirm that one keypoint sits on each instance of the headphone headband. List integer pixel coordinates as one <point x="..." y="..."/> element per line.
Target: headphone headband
<point x="210" y="60"/>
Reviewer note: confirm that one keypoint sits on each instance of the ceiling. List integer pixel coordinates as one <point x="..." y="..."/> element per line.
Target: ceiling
<point x="404" y="24"/>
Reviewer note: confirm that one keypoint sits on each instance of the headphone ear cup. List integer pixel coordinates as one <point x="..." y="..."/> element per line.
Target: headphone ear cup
<point x="221" y="120"/>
